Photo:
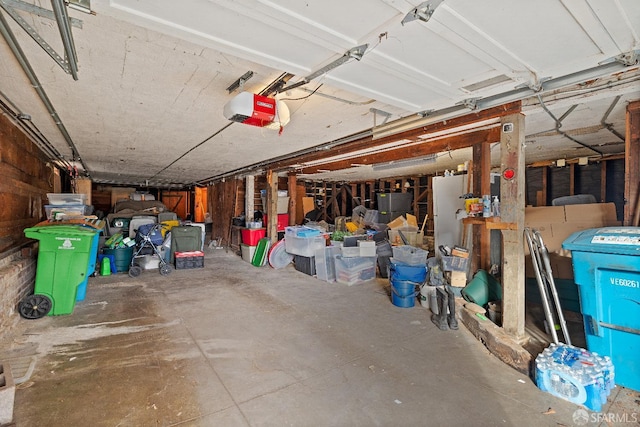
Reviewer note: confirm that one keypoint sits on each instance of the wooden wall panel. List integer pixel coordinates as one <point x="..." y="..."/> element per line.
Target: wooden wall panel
<point x="26" y="180"/>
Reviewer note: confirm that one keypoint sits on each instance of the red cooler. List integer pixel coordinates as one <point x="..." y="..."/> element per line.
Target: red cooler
<point x="251" y="236"/>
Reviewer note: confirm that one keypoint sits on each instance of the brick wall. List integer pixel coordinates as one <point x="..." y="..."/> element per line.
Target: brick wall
<point x="17" y="276"/>
<point x="26" y="180"/>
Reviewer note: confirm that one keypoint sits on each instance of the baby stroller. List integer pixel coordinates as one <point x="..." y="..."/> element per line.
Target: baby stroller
<point x="149" y="236"/>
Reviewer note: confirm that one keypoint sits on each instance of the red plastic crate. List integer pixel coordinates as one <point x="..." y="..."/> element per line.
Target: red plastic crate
<point x="250" y="236"/>
<point x="192" y="259"/>
<point x="283" y="221"/>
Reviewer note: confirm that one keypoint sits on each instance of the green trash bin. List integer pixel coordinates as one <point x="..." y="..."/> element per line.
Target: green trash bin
<point x="122" y="258"/>
<point x="63" y="260"/>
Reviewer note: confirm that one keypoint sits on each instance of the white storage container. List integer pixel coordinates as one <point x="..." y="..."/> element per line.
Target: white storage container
<point x="326" y="263"/>
<point x="350" y="251"/>
<point x="247" y="252"/>
<point x="355" y="270"/>
<point x="410" y="255"/>
<point x="147" y="262"/>
<point x="412" y="234"/>
<point x="304" y="246"/>
<point x="301" y="231"/>
<point x="454" y="263"/>
<point x="366" y="248"/>
<point x="67" y="199"/>
<point x="65" y="211"/>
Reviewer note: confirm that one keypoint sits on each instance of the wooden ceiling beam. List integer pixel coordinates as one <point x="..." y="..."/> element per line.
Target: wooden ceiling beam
<point x="369" y="142"/>
<point x="418" y="150"/>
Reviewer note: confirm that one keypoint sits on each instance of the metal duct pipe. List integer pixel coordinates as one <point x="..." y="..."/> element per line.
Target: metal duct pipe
<point x="26" y="67"/>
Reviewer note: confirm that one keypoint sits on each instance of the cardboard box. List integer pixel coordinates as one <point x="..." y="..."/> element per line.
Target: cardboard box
<point x="458" y="279"/>
<point x="308" y="204"/>
<point x="557" y="223"/>
<point x="561" y="266"/>
<point x="460" y="252"/>
<point x="398" y="222"/>
<point x="412" y="221"/>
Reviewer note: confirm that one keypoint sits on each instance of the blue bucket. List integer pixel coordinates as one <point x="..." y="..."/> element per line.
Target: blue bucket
<point x="401" y="271"/>
<point x="403" y="293"/>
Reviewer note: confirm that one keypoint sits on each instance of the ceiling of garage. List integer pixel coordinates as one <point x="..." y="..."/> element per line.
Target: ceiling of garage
<point x="153" y="79"/>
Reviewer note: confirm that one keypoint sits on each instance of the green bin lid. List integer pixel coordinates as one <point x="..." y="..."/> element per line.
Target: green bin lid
<point x="74" y="230"/>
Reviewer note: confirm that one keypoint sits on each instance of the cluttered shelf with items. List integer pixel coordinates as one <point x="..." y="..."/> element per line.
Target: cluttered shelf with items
<point x="484" y="211"/>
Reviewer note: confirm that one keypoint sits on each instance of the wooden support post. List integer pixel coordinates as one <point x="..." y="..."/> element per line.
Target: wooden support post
<point x="249" y="197"/>
<point x="343" y="197"/>
<point x="603" y="181"/>
<point x="631" y="162"/>
<point x="430" y="211"/>
<point x="416" y="197"/>
<point x="481" y="170"/>
<point x="354" y="196"/>
<point x="572" y="179"/>
<point x="512" y="211"/>
<point x="335" y="210"/>
<point x="272" y="205"/>
<point x="372" y="195"/>
<point x="293" y="197"/>
<point x="325" y="213"/>
<point x="545" y="186"/>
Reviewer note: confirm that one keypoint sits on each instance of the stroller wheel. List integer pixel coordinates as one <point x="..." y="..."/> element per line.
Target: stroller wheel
<point x="134" y="271"/>
<point x="35" y="306"/>
<point x="165" y="269"/>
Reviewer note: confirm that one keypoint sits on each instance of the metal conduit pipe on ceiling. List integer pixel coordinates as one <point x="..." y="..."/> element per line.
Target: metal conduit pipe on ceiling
<point x="609" y="126"/>
<point x="519" y="94"/>
<point x="558" y="123"/>
<point x="20" y="119"/>
<point x="427" y="117"/>
<point x="26" y="67"/>
<point x="248" y="169"/>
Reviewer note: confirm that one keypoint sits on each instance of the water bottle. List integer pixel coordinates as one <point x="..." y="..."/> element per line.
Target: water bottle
<point x="495" y="206"/>
<point x="486" y="206"/>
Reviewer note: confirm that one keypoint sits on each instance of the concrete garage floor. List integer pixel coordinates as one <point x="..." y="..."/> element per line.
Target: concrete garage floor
<point x="236" y="345"/>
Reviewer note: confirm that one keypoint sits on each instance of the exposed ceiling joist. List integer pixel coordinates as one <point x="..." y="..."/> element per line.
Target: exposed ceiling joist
<point x="442" y="144"/>
<point x="436" y="125"/>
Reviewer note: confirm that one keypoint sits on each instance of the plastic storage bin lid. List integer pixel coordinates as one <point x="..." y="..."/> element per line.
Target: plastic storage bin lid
<point x="278" y="255"/>
<point x="610" y="240"/>
<point x="67" y="198"/>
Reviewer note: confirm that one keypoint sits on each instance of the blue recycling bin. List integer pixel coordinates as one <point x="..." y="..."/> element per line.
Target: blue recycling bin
<point x="606" y="267"/>
<point x="91" y="268"/>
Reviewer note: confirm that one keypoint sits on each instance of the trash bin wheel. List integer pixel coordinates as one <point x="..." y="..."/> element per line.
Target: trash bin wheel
<point x="134" y="271"/>
<point x="165" y="269"/>
<point x="35" y="306"/>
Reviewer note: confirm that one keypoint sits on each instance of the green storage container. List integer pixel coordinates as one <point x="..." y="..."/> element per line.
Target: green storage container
<point x="63" y="260"/>
<point x="482" y="289"/>
<point x="122" y="257"/>
<point x="262" y="251"/>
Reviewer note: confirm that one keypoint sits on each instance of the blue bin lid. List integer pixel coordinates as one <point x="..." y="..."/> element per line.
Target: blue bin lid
<point x="610" y="240"/>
